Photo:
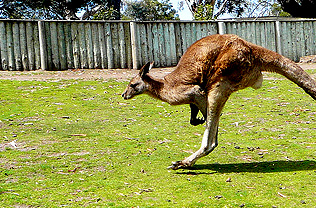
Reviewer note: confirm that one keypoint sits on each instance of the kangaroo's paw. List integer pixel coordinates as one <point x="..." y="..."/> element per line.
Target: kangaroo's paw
<point x="178" y="165"/>
<point x="197" y="121"/>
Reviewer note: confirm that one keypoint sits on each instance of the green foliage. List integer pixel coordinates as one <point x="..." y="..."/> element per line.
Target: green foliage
<point x="47" y="9"/>
<point x="150" y="10"/>
<point x="78" y="144"/>
<point x="204" y="12"/>
<point x="106" y="14"/>
<point x="277" y="10"/>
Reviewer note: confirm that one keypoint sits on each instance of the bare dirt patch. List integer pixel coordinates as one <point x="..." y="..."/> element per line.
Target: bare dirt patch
<point x="92" y="74"/>
<point x="79" y="74"/>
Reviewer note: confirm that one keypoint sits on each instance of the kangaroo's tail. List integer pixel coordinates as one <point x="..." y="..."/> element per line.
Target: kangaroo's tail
<point x="275" y="62"/>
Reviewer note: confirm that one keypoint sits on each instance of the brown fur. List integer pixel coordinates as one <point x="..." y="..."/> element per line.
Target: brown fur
<point x="206" y="75"/>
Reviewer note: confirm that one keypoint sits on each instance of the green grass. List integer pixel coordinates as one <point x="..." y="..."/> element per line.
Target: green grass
<point x="79" y="144"/>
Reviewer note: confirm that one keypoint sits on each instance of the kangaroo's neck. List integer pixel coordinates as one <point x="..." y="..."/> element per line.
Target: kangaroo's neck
<point x="155" y="87"/>
<point x="164" y="90"/>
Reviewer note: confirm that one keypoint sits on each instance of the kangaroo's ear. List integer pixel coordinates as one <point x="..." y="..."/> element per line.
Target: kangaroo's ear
<point x="145" y="69"/>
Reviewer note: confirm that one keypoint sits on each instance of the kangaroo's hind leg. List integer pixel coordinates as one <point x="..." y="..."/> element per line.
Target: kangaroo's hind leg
<point x="216" y="100"/>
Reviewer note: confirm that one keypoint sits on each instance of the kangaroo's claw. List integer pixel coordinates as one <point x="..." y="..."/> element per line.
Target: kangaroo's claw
<point x="177" y="165"/>
<point x="197" y="121"/>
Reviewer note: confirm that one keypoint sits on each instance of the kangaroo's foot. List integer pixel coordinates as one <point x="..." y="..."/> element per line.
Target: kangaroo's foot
<point x="194" y="120"/>
<point x="179" y="165"/>
<point x="197" y="121"/>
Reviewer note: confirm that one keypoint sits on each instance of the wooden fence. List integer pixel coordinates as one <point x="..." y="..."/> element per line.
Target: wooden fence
<point x="60" y="45"/>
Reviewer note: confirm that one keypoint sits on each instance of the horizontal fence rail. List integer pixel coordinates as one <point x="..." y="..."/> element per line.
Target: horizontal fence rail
<point x="61" y="45"/>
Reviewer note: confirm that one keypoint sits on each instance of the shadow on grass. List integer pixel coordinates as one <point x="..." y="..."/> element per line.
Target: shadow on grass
<point x="254" y="167"/>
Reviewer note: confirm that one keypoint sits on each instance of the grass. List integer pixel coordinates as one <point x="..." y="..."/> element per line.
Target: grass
<point x="78" y="144"/>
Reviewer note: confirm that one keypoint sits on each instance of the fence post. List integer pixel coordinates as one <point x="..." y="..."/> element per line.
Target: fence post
<point x="42" y="41"/>
<point x="278" y="37"/>
<point x="134" y="44"/>
<point x="221" y="28"/>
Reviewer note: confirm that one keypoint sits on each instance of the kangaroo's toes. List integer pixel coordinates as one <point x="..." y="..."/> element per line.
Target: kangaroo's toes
<point x="178" y="165"/>
<point x="197" y="121"/>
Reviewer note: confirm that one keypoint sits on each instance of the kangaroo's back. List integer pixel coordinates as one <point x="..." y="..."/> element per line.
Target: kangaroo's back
<point x="229" y="57"/>
<point x="196" y="62"/>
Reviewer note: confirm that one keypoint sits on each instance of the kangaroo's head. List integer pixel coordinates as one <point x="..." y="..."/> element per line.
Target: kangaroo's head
<point x="137" y="85"/>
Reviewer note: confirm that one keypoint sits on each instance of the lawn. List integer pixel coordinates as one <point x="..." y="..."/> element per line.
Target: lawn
<point x="76" y="143"/>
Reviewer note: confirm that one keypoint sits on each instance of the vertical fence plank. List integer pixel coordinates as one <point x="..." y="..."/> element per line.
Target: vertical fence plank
<point x="278" y="37"/>
<point x="134" y="44"/>
<point x="122" y="48"/>
<point x="3" y="46"/>
<point x="17" y="46"/>
<point x="183" y="39"/>
<point x="115" y="42"/>
<point x="69" y="45"/>
<point x="198" y="31"/>
<point x="89" y="45"/>
<point x="109" y="45"/>
<point x="286" y="39"/>
<point x="30" y="45"/>
<point x="313" y="37"/>
<point x="10" y="46"/>
<point x="307" y="30"/>
<point x="96" y="46"/>
<point x="61" y="46"/>
<point x="75" y="42"/>
<point x="294" y="37"/>
<point x="300" y="41"/>
<point x="104" y="62"/>
<point x="149" y="41"/>
<point x="161" y="44"/>
<point x="128" y="47"/>
<point x="47" y="37"/>
<point x="214" y="28"/>
<point x="193" y="33"/>
<point x="155" y="44"/>
<point x="167" y="44"/>
<point x="187" y="35"/>
<point x="95" y="58"/>
<point x="54" y="42"/>
<point x="82" y="46"/>
<point x="202" y="30"/>
<point x="178" y="40"/>
<point x="270" y="36"/>
<point x="242" y="30"/>
<point x="138" y="42"/>
<point x="142" y="47"/>
<point x="37" y="46"/>
<point x="173" y="50"/>
<point x="24" y="54"/>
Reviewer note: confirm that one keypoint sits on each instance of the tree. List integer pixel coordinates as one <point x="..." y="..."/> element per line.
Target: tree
<point x="277" y="10"/>
<point x="203" y="12"/>
<point x="149" y="10"/>
<point x="55" y="9"/>
<point x="211" y="9"/>
<point x="299" y="8"/>
<point x="204" y="9"/>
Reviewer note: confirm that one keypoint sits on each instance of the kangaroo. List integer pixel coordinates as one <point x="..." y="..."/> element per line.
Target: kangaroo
<point x="207" y="74"/>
